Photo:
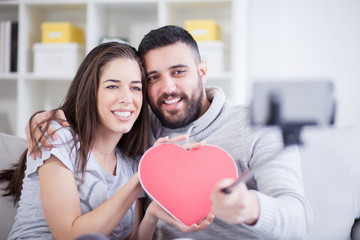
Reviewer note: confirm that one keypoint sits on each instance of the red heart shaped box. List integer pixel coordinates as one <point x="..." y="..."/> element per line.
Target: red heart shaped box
<point x="182" y="181"/>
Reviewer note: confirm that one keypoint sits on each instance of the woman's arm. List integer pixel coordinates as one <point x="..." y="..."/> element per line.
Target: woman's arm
<point x="139" y="213"/>
<point x="154" y="212"/>
<point x="61" y="203"/>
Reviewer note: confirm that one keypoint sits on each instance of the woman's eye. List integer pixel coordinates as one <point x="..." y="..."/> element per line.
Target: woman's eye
<point x="112" y="87"/>
<point x="137" y="88"/>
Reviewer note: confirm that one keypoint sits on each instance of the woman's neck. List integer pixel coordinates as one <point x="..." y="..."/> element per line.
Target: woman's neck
<point x="103" y="151"/>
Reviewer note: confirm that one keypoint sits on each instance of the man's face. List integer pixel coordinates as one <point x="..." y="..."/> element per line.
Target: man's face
<point x="175" y="84"/>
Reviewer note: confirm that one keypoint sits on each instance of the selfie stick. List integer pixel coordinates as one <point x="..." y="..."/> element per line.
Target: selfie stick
<point x="290" y="133"/>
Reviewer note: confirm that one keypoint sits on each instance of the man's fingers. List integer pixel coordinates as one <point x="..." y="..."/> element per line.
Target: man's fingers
<point x="171" y="140"/>
<point x="52" y="133"/>
<point x="61" y="115"/>
<point x="30" y="144"/>
<point x="161" y="140"/>
<point x="190" y="146"/>
<point x="178" y="138"/>
<point x="43" y="141"/>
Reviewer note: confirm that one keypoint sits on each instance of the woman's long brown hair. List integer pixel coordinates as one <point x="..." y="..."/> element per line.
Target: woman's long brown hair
<point x="80" y="108"/>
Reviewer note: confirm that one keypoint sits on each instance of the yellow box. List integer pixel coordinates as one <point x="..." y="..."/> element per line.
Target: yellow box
<point x="61" y="32"/>
<point x="203" y="30"/>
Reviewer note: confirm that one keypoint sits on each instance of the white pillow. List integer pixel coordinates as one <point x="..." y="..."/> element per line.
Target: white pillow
<point x="331" y="171"/>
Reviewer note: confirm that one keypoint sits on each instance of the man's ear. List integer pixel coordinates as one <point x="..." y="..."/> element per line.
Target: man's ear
<point x="203" y="71"/>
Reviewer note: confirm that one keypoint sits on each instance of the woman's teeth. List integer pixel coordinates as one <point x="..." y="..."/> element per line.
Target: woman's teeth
<point x="122" y="114"/>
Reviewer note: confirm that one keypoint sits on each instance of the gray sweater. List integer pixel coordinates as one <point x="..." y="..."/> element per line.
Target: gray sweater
<point x="284" y="211"/>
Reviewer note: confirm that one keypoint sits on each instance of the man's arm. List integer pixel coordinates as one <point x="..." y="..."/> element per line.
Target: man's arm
<point x="35" y="135"/>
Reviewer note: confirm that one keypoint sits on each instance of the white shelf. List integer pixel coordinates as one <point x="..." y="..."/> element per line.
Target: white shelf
<point x="40" y="77"/>
<point x="8" y="76"/>
<point x="127" y="19"/>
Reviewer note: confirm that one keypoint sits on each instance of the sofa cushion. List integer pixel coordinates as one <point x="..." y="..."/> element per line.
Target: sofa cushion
<point x="11" y="148"/>
<point x="331" y="172"/>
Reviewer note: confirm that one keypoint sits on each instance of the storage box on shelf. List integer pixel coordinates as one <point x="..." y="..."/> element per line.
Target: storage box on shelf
<point x="61" y="32"/>
<point x="203" y="30"/>
<point x="54" y="59"/>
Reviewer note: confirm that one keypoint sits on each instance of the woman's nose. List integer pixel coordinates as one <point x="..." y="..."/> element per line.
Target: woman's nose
<point x="125" y="96"/>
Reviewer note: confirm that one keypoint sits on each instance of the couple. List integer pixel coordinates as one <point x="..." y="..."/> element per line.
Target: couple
<point x="107" y="114"/>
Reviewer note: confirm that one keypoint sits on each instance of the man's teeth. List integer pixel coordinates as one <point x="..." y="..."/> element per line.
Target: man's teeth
<point x="122" y="114"/>
<point x="172" y="101"/>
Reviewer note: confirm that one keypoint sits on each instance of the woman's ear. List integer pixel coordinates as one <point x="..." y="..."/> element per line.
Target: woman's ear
<point x="203" y="71"/>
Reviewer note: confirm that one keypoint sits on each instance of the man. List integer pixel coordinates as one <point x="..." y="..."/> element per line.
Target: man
<point x="272" y="204"/>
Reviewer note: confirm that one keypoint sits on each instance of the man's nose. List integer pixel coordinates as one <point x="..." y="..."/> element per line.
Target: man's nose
<point x="168" y="85"/>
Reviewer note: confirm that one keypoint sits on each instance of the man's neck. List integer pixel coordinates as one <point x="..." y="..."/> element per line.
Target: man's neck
<point x="205" y="105"/>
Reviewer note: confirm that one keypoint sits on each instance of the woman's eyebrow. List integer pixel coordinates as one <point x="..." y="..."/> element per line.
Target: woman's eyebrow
<point x="118" y="81"/>
<point x="112" y="80"/>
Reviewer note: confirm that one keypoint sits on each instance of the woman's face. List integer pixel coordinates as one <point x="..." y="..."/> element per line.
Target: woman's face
<point x="119" y="95"/>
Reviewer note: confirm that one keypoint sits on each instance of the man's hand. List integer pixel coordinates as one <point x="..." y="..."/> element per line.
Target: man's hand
<point x="239" y="206"/>
<point x="187" y="146"/>
<point x="37" y="138"/>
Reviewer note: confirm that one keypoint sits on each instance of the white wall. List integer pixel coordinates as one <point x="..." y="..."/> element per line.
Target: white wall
<point x="292" y="39"/>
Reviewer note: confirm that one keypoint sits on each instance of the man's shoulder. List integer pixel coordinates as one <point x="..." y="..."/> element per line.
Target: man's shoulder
<point x="239" y="112"/>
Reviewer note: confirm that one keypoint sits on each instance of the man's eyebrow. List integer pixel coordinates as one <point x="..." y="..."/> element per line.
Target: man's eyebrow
<point x="150" y="73"/>
<point x="172" y="67"/>
<point x="179" y="66"/>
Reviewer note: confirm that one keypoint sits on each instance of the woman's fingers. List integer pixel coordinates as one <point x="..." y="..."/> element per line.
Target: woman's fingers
<point x="160" y="213"/>
<point x="206" y="222"/>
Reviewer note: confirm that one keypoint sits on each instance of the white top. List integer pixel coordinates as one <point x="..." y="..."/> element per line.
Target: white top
<point x="98" y="187"/>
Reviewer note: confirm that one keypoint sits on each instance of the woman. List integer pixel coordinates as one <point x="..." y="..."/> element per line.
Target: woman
<point x="87" y="183"/>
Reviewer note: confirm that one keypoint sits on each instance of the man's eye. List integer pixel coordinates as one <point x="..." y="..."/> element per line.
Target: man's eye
<point x="177" y="72"/>
<point x="151" y="78"/>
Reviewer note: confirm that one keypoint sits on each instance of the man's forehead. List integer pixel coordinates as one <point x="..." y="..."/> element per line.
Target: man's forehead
<point x="168" y="56"/>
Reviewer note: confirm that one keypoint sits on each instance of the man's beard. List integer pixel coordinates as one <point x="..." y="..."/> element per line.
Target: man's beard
<point x="190" y="113"/>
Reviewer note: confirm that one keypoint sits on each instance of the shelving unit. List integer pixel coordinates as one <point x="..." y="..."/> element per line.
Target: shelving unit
<point x="25" y="92"/>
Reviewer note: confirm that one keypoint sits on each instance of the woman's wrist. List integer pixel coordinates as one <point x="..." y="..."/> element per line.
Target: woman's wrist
<point x="150" y="216"/>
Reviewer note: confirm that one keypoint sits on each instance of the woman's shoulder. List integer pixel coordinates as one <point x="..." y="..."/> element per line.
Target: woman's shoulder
<point x="65" y="134"/>
<point x="63" y="148"/>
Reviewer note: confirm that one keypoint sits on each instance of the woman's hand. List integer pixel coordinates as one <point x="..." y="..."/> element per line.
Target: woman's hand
<point x="35" y="126"/>
<point x="156" y="212"/>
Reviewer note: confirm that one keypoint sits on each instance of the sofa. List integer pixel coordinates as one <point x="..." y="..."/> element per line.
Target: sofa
<point x="331" y="174"/>
<point x="11" y="148"/>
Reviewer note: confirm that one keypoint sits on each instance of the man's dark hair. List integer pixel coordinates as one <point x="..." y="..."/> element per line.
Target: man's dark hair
<point x="165" y="36"/>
